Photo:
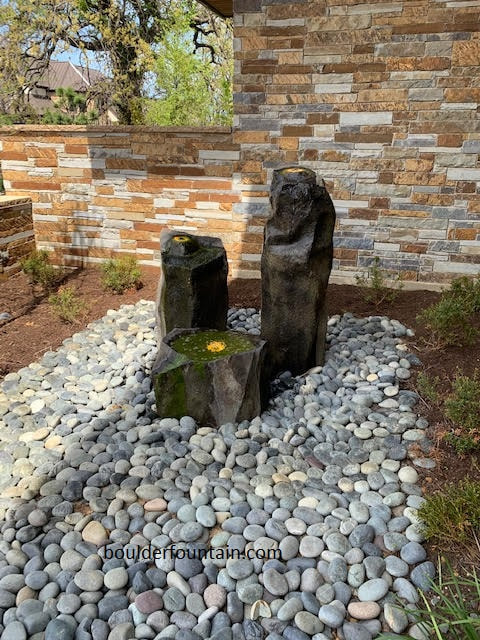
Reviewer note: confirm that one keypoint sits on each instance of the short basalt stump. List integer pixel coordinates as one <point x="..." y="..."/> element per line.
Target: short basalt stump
<point x="213" y="376"/>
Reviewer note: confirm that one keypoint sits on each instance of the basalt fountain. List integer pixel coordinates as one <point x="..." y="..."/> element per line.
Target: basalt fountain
<point x="219" y="376"/>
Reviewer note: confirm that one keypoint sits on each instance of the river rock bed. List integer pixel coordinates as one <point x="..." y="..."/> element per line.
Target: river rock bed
<point x="323" y="477"/>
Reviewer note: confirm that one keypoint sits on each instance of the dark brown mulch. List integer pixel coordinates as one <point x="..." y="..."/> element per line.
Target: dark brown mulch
<point x="35" y="327"/>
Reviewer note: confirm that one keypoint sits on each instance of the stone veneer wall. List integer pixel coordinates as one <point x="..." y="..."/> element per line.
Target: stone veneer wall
<point x="16" y="233"/>
<point x="99" y="192"/>
<point x="382" y="100"/>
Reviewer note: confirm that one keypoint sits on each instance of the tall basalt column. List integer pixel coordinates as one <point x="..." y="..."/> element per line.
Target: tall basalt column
<point x="193" y="288"/>
<point x="296" y="264"/>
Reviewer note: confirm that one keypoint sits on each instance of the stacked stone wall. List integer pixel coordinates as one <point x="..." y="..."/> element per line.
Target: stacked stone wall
<point x="382" y="100"/>
<point x="16" y="233"/>
<point x="99" y="192"/>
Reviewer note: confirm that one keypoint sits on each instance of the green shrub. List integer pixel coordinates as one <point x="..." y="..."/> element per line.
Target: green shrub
<point x="120" y="274"/>
<point x="374" y="286"/>
<point x="67" y="305"/>
<point x="454" y="616"/>
<point x="427" y="387"/>
<point x="462" y="406"/>
<point x="452" y="516"/>
<point x="450" y="319"/>
<point x="450" y="322"/>
<point x="468" y="290"/>
<point x="39" y="270"/>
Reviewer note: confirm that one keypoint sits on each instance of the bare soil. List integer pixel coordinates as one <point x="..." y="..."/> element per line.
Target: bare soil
<point x="35" y="328"/>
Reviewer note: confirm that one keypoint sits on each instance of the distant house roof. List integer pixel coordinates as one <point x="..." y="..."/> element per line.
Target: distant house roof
<point x="66" y="74"/>
<point x="61" y="75"/>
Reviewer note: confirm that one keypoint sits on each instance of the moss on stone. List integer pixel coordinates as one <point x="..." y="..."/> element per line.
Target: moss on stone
<point x="195" y="345"/>
<point x="173" y="387"/>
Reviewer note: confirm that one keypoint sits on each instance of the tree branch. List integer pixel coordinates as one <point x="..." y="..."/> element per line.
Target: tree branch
<point x="200" y="30"/>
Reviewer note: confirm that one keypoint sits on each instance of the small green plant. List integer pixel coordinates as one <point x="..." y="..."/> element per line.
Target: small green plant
<point x="428" y="387"/>
<point x="6" y="119"/>
<point x="67" y="305"/>
<point x="71" y="108"/>
<point x="39" y="270"/>
<point x="450" y="319"/>
<point x="454" y="616"/>
<point x="375" y="289"/>
<point x="452" y="516"/>
<point x="120" y="274"/>
<point x="468" y="290"/>
<point x="462" y="406"/>
<point x="450" y="322"/>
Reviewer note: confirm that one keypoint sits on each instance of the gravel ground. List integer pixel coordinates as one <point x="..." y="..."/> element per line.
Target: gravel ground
<point x="316" y="498"/>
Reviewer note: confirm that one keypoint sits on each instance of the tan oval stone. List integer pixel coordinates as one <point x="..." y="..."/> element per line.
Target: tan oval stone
<point x="299" y="476"/>
<point x="279" y="477"/>
<point x="54" y="441"/>
<point x="345" y="485"/>
<point x="25" y="593"/>
<point x="308" y="501"/>
<point x="30" y="436"/>
<point x="95" y="533"/>
<point x="157" y="504"/>
<point x="36" y="482"/>
<point x="364" y="610"/>
<point x="222" y="516"/>
<point x="11" y="492"/>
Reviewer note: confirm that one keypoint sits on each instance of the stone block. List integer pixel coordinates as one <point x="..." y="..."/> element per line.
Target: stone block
<point x="357" y="118"/>
<point x="333" y="88"/>
<point x="463" y="174"/>
<point x="466" y="54"/>
<point x="227" y="385"/>
<point x="193" y="287"/>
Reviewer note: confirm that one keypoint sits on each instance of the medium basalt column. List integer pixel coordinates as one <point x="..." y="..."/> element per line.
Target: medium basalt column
<point x="296" y="264"/>
<point x="193" y="287"/>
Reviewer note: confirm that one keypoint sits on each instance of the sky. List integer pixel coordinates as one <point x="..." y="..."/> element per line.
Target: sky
<point x="74" y="56"/>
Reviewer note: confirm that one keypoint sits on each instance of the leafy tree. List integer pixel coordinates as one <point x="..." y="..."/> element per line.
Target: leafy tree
<point x="29" y="35"/>
<point x="121" y="33"/>
<point x="118" y="32"/>
<point x="193" y="78"/>
<point x="71" y="108"/>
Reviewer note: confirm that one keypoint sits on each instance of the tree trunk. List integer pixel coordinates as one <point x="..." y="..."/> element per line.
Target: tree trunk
<point x="128" y="85"/>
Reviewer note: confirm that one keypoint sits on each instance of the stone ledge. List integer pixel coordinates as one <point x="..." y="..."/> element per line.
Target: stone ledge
<point x="9" y="201"/>
<point x="65" y="130"/>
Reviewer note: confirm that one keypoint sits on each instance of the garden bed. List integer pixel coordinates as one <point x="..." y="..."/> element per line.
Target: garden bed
<point x="36" y="329"/>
